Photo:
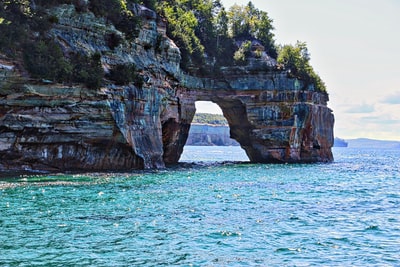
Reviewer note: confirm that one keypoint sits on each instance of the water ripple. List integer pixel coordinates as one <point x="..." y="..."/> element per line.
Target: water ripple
<point x="345" y="213"/>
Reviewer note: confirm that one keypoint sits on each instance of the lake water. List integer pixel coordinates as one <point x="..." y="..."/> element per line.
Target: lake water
<point x="346" y="213"/>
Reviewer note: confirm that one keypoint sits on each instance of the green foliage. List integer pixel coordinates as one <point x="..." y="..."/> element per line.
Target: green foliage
<point x="207" y="118"/>
<point x="152" y="4"/>
<point x="44" y="59"/>
<point x="51" y="3"/>
<point x="225" y="44"/>
<point x="206" y="33"/>
<point x="42" y="22"/>
<point x="296" y="59"/>
<point x="15" y="10"/>
<point x="204" y="13"/>
<point x="124" y="74"/>
<point x="242" y="54"/>
<point x="157" y="46"/>
<point x="240" y="21"/>
<point x="258" y="53"/>
<point x="116" y="12"/>
<point x="248" y="22"/>
<point x="80" y="5"/>
<point x="14" y="27"/>
<point x="109" y="9"/>
<point x="87" y="70"/>
<point x="128" y="24"/>
<point x="18" y="19"/>
<point x="113" y="40"/>
<point x="182" y="25"/>
<point x="265" y="35"/>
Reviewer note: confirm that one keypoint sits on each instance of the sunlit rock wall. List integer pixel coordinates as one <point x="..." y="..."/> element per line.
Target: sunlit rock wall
<point x="48" y="127"/>
<point x="210" y="135"/>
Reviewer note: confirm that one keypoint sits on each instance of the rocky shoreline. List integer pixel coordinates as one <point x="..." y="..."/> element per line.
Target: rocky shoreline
<point x="50" y="127"/>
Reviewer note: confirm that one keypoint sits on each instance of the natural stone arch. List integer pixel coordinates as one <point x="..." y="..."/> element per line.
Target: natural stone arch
<point x="49" y="127"/>
<point x="279" y="125"/>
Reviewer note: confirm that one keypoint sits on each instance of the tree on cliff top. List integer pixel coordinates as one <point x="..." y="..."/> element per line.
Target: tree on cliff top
<point x="204" y="31"/>
<point x="296" y="59"/>
<point x="248" y="22"/>
<point x="182" y="24"/>
<point x="207" y="118"/>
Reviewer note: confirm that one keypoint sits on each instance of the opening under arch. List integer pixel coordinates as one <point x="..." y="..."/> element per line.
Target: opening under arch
<point x="209" y="137"/>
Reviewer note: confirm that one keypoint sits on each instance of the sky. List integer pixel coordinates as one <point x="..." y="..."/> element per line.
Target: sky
<point x="355" y="48"/>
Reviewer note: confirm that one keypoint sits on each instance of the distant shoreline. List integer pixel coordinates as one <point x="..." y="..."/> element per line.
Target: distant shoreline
<point x="372" y="143"/>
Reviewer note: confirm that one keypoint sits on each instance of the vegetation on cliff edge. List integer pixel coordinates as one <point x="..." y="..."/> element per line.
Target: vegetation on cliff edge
<point x="296" y="59"/>
<point x="207" y="118"/>
<point x="208" y="35"/>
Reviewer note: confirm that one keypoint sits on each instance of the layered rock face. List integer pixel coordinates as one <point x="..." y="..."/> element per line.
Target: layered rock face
<point x="47" y="127"/>
<point x="210" y="135"/>
<point x="53" y="127"/>
<point x="273" y="120"/>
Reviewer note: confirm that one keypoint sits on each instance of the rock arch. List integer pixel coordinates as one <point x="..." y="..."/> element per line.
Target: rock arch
<point x="47" y="127"/>
<point x="274" y="119"/>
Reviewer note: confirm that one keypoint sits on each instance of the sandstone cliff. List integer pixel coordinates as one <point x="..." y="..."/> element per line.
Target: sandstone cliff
<point x="49" y="127"/>
<point x="210" y="135"/>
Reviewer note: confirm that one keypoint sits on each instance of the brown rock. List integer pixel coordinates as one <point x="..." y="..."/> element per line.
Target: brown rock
<point x="52" y="128"/>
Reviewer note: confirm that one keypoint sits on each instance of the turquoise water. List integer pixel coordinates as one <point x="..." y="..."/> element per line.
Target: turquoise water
<point x="340" y="214"/>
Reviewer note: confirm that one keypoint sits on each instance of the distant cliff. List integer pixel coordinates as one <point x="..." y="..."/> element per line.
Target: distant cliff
<point x="338" y="142"/>
<point x="210" y="130"/>
<point x="141" y="120"/>
<point x="373" y="144"/>
<point x="210" y="135"/>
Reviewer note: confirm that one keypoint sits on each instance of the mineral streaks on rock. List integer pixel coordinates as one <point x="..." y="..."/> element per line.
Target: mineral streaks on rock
<point x="49" y="127"/>
<point x="136" y="113"/>
<point x="276" y="126"/>
<point x="176" y="119"/>
<point x="61" y="131"/>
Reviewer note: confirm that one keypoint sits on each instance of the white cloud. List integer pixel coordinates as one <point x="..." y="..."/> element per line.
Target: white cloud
<point x="361" y="108"/>
<point x="392" y="98"/>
